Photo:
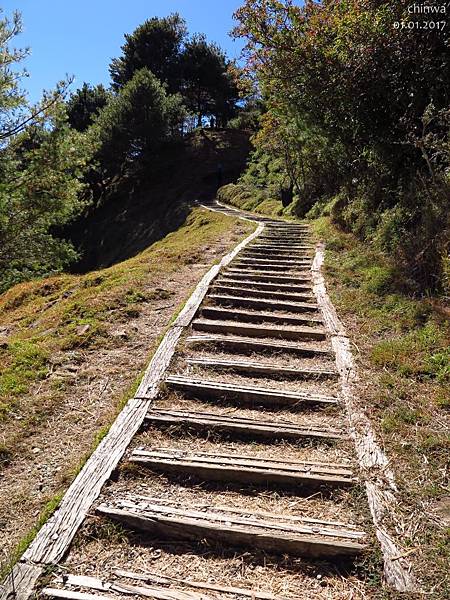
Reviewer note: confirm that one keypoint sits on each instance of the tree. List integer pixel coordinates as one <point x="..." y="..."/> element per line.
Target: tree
<point x="41" y="164"/>
<point x="84" y="104"/>
<point x="136" y="122"/>
<point x="207" y="85"/>
<point x="375" y="96"/>
<point x="155" y="45"/>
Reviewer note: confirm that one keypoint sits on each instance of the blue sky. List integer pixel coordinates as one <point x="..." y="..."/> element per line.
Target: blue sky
<point x="79" y="37"/>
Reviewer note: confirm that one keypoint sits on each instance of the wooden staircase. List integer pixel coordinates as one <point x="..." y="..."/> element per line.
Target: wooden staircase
<point x="250" y="407"/>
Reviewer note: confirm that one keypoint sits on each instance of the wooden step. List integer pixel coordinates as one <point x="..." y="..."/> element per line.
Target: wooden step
<point x="280" y="305"/>
<point x="202" y="388"/>
<point x="269" y="251"/>
<point x="147" y="585"/>
<point x="251" y="316"/>
<point x="267" y="276"/>
<point x="298" y="245"/>
<point x="243" y="427"/>
<point x="273" y="261"/>
<point x="275" y="257"/>
<point x="245" y="291"/>
<point x="262" y="331"/>
<point x="293" y="240"/>
<point x="256" y="368"/>
<point x="246" y="262"/>
<point x="272" y="253"/>
<point x="210" y="466"/>
<point x="248" y="345"/>
<point x="264" y="531"/>
<point x="264" y="285"/>
<point x="258" y="244"/>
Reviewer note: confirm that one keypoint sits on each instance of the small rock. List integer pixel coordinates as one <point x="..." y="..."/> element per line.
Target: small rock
<point x="36" y="450"/>
<point x="442" y="509"/>
<point x="82" y="329"/>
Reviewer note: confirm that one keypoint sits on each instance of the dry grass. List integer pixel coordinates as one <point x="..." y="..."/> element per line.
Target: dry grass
<point x="401" y="345"/>
<point x="294" y="578"/>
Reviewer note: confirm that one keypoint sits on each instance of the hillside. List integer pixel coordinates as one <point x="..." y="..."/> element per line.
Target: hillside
<point x="141" y="210"/>
<point x="72" y="348"/>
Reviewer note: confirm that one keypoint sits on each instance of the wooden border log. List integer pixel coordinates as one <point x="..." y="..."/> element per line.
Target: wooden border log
<point x="379" y="478"/>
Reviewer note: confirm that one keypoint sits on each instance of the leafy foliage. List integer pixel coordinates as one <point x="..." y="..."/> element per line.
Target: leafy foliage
<point x="194" y="68"/>
<point x="154" y="45"/>
<point x="41" y="163"/>
<point x="84" y="104"/>
<point x="359" y="109"/>
<point x="207" y="86"/>
<point x="136" y="122"/>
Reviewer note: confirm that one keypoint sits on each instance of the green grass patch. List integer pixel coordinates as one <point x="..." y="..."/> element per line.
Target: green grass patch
<point x="250" y="199"/>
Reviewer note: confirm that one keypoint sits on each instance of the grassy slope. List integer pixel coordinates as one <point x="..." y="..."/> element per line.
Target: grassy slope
<point x="152" y="203"/>
<point x="401" y="344"/>
<point x="241" y="197"/>
<point x="47" y="322"/>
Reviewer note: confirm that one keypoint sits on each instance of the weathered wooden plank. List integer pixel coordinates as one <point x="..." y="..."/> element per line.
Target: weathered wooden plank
<point x="280" y="305"/>
<point x="256" y="368"/>
<point x="285" y="248"/>
<point x="155" y="592"/>
<point x="262" y="249"/>
<point x="253" y="316"/>
<point x="222" y="526"/>
<point x="262" y="331"/>
<point x="165" y="579"/>
<point x="20" y="581"/>
<point x="54" y="537"/>
<point x="263" y="285"/>
<point x="271" y="255"/>
<point x="251" y="292"/>
<point x="273" y="261"/>
<point x="249" y="394"/>
<point x="238" y="468"/>
<point x="52" y="592"/>
<point x="300" y="277"/>
<point x="380" y="489"/>
<point x="242" y="426"/>
<point x="246" y="345"/>
<point x="293" y="268"/>
<point x="277" y="238"/>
